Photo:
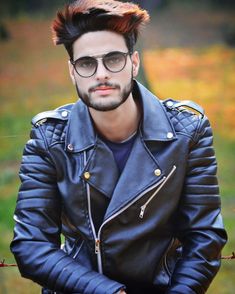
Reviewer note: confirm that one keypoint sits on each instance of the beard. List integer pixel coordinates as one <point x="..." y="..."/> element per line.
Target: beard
<point x="105" y="103"/>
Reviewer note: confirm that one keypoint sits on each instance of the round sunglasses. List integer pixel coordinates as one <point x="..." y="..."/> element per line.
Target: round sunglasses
<point x="114" y="61"/>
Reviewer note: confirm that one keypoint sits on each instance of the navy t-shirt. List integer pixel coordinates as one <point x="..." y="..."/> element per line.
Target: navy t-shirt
<point x="121" y="151"/>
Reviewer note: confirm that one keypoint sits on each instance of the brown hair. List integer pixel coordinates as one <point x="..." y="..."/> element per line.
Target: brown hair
<point x="82" y="16"/>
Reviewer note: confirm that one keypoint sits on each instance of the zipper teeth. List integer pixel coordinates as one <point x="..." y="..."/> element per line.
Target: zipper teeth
<point x="160" y="184"/>
<point x="136" y="199"/>
<point x="97" y="239"/>
<point x="165" y="179"/>
<point x="125" y="207"/>
<point x="97" y="249"/>
<point x="89" y="210"/>
<point x="159" y="187"/>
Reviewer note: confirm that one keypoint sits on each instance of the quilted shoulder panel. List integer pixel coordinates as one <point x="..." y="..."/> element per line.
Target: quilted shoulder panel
<point x="54" y="131"/>
<point x="47" y="134"/>
<point x="184" y="120"/>
<point x="52" y="124"/>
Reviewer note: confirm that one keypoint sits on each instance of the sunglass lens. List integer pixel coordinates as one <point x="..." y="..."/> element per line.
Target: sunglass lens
<point x="115" y="61"/>
<point x="86" y="66"/>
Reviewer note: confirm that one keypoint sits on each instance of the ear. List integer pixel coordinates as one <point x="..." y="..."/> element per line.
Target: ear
<point x="71" y="72"/>
<point x="135" y="63"/>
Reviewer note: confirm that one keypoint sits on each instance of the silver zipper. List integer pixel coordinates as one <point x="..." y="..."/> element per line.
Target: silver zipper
<point x="97" y="238"/>
<point x="97" y="241"/>
<point x="142" y="208"/>
<point x="162" y="183"/>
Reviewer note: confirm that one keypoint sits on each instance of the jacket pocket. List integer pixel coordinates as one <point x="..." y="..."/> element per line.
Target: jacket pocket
<point x="167" y="264"/>
<point x="81" y="254"/>
<point x="173" y="253"/>
<point x="161" y="184"/>
<point x="77" y="249"/>
<point x="72" y="247"/>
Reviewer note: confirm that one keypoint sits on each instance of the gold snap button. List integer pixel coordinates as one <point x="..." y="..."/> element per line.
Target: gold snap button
<point x="87" y="175"/>
<point x="157" y="172"/>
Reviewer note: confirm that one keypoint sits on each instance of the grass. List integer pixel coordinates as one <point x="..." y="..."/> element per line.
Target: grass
<point x="34" y="77"/>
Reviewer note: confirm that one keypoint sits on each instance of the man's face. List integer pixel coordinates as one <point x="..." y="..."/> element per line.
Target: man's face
<point x="105" y="90"/>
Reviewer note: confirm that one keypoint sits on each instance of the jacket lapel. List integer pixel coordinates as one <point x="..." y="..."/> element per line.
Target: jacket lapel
<point x="102" y="169"/>
<point x="138" y="175"/>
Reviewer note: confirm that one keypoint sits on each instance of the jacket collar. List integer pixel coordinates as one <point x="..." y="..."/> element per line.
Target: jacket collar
<point x="80" y="133"/>
<point x="155" y="125"/>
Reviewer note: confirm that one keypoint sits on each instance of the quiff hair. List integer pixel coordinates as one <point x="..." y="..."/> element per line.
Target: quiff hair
<point x="82" y="16"/>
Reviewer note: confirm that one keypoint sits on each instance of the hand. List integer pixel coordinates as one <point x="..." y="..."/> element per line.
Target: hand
<point x="121" y="292"/>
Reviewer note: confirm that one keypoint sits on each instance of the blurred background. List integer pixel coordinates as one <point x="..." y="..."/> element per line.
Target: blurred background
<point x="188" y="52"/>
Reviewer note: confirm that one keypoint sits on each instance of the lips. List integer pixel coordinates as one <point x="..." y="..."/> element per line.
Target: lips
<point x="104" y="90"/>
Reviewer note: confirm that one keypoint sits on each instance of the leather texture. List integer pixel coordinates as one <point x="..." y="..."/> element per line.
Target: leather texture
<point x="156" y="228"/>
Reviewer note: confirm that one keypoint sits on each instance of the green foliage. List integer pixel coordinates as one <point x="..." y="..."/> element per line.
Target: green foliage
<point x="14" y="133"/>
<point x="8" y="190"/>
<point x="226" y="157"/>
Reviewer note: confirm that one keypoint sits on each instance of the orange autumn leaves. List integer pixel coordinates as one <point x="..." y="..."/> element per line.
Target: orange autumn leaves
<point x="203" y="75"/>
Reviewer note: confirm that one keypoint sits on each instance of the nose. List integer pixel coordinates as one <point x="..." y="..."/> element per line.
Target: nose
<point x="102" y="74"/>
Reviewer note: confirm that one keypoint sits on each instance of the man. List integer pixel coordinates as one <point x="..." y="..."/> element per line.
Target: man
<point x="129" y="180"/>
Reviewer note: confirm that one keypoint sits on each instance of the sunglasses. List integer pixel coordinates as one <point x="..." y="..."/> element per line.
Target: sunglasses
<point x="114" y="61"/>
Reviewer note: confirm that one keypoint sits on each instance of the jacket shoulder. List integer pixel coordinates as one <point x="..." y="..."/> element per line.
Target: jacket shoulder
<point x="52" y="124"/>
<point x="61" y="113"/>
<point x="184" y="105"/>
<point x="185" y="115"/>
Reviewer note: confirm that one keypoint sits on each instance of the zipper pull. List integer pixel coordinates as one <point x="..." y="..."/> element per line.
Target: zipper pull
<point x="97" y="246"/>
<point x="142" y="209"/>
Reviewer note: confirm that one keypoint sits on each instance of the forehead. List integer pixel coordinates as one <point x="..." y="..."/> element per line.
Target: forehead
<point x="99" y="42"/>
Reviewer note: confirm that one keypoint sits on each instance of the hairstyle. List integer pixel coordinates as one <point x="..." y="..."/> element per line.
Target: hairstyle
<point x="82" y="16"/>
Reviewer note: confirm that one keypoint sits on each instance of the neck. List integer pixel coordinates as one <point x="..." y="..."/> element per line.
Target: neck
<point x="119" y="124"/>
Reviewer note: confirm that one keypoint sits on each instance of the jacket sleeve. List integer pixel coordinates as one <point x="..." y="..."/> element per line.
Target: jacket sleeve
<point x="36" y="243"/>
<point x="199" y="227"/>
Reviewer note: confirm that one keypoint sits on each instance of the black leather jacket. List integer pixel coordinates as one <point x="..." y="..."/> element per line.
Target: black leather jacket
<point x="156" y="228"/>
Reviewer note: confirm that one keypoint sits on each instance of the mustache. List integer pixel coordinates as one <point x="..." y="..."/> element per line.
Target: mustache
<point x="107" y="84"/>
